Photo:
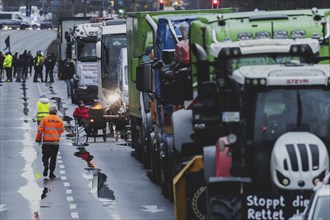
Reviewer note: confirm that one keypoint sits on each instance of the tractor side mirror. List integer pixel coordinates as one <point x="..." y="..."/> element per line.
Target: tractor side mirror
<point x="144" y="77"/>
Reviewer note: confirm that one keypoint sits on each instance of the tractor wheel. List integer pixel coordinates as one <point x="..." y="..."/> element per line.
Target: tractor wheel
<point x="224" y="208"/>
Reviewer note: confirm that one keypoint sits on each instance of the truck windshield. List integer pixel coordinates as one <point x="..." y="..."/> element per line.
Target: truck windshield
<point x="111" y="59"/>
<point x="279" y="110"/>
<point x="87" y="51"/>
<point x="261" y="59"/>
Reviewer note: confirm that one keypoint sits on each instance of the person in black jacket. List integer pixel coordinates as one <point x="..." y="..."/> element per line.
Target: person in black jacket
<point x="30" y="62"/>
<point x="26" y="58"/>
<point x="15" y="58"/>
<point x="50" y="64"/>
<point x="20" y="63"/>
<point x="68" y="72"/>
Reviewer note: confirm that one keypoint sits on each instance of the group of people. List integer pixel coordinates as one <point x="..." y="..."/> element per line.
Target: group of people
<point x="39" y="62"/>
<point x="50" y="128"/>
<point x="19" y="65"/>
<point x="15" y="66"/>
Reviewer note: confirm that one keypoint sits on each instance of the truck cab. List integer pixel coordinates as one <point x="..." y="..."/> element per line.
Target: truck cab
<point x="111" y="51"/>
<point x="85" y="80"/>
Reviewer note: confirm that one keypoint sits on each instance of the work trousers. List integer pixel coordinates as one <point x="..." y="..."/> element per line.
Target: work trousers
<point x="49" y="72"/>
<point x="49" y="151"/>
<point x="9" y="74"/>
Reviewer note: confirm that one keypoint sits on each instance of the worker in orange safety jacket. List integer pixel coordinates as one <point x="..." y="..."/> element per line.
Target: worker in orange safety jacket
<point x="49" y="131"/>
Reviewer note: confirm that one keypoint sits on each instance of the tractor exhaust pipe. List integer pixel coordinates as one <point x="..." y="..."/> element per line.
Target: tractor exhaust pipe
<point x="202" y="64"/>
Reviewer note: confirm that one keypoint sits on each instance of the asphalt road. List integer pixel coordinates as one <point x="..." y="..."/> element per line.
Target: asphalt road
<point x="100" y="181"/>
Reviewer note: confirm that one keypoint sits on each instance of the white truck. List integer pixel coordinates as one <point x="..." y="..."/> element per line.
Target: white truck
<point x="64" y="31"/>
<point x="85" y="80"/>
<point x="112" y="66"/>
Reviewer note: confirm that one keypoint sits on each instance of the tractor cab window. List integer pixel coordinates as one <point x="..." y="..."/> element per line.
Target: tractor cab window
<point x="279" y="111"/>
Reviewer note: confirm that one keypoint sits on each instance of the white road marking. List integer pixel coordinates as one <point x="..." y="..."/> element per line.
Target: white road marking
<point x="3" y="207"/>
<point x="66" y="184"/>
<point x="68" y="191"/>
<point x="59" y="157"/>
<point x="74" y="215"/>
<point x="62" y="171"/>
<point x="73" y="206"/>
<point x="69" y="198"/>
<point x="59" y="161"/>
<point x="61" y="166"/>
<point x="63" y="178"/>
<point x="151" y="208"/>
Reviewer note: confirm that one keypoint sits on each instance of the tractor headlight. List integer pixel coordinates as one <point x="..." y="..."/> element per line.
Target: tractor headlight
<point x="285" y="181"/>
<point x="256" y="82"/>
<point x="296" y="34"/>
<point x="262" y="35"/>
<point x="245" y="36"/>
<point x="304" y="48"/>
<point x="280" y="35"/>
<point x="232" y="51"/>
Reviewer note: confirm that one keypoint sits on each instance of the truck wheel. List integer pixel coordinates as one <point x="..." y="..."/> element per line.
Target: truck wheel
<point x="224" y="208"/>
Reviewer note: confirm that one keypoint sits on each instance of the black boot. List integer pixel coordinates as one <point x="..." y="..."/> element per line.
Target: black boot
<point x="45" y="171"/>
<point x="51" y="175"/>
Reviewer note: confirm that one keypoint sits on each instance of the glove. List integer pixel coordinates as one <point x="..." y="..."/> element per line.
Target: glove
<point x="38" y="141"/>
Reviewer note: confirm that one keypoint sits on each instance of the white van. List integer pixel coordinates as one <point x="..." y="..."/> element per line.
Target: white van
<point x="11" y="15"/>
<point x="12" y="20"/>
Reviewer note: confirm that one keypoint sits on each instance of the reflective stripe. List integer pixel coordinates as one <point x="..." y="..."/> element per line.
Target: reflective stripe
<point x="56" y="143"/>
<point x="51" y="135"/>
<point x="43" y="112"/>
<point x="54" y="129"/>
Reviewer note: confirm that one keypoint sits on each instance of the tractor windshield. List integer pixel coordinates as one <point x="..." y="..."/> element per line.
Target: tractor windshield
<point x="111" y="60"/>
<point x="299" y="109"/>
<point x="261" y="59"/>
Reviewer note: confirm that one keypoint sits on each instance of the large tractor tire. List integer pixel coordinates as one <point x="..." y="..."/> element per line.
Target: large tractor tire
<point x="224" y="208"/>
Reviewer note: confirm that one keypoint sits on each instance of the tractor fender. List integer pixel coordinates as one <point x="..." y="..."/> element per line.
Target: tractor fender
<point x="182" y="128"/>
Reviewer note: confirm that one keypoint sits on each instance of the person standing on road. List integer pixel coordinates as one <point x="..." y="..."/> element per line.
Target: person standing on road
<point x="7" y="65"/>
<point x="2" y="57"/>
<point x="42" y="108"/>
<point x="20" y="63"/>
<point x="50" y="64"/>
<point x="68" y="72"/>
<point x="38" y="66"/>
<point x="49" y="131"/>
<point x="15" y="58"/>
<point x="26" y="58"/>
<point x="30" y="62"/>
